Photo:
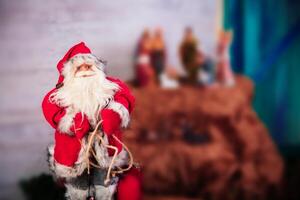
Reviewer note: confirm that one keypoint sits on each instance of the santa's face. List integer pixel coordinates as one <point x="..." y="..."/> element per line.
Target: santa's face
<point x="82" y="66"/>
<point x="84" y="70"/>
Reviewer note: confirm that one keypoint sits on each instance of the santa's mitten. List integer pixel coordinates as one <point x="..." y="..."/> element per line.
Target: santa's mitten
<point x="110" y="121"/>
<point x="72" y="123"/>
<point x="113" y="142"/>
<point x="81" y="125"/>
<point x="58" y="116"/>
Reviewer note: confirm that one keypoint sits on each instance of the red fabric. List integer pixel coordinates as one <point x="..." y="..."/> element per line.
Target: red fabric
<point x="111" y="126"/>
<point x="129" y="186"/>
<point x="81" y="126"/>
<point x="66" y="149"/>
<point x="111" y="121"/>
<point x="112" y="141"/>
<point x="123" y="96"/>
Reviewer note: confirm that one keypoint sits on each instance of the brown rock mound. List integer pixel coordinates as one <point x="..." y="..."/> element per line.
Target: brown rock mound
<point x="203" y="142"/>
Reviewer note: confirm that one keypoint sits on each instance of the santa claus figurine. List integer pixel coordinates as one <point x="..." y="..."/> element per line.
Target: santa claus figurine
<point x="83" y="96"/>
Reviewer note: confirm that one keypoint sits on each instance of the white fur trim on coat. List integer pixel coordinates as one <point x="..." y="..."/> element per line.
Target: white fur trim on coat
<point x="122" y="111"/>
<point x="66" y="122"/>
<point x="66" y="171"/>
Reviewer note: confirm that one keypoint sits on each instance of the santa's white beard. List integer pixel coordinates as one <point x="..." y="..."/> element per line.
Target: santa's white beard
<point x="87" y="95"/>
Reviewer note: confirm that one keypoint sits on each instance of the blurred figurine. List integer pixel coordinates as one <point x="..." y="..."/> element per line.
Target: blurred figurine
<point x="188" y="54"/>
<point x="169" y="78"/>
<point x="225" y="75"/>
<point x="207" y="71"/>
<point x="83" y="96"/>
<point x="158" y="52"/>
<point x="145" y="74"/>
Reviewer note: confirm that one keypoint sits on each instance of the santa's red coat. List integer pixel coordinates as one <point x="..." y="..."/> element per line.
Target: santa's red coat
<point x="67" y="147"/>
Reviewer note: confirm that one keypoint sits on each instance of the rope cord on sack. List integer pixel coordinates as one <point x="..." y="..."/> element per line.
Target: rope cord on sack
<point x="89" y="151"/>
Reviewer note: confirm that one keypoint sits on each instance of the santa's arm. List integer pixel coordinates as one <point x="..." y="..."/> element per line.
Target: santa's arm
<point x="117" y="113"/>
<point x="64" y="119"/>
<point x="51" y="111"/>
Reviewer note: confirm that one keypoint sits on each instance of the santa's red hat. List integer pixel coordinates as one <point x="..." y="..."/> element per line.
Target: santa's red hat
<point x="79" y="49"/>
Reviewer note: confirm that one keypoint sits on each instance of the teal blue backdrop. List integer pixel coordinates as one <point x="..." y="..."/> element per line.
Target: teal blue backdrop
<point x="266" y="47"/>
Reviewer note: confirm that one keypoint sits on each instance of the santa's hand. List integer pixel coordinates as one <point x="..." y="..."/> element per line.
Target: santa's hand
<point x="73" y="124"/>
<point x="81" y="125"/>
<point x="110" y="121"/>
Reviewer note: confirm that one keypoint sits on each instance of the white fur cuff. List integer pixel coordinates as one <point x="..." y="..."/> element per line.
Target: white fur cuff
<point x="66" y="122"/>
<point x="122" y="111"/>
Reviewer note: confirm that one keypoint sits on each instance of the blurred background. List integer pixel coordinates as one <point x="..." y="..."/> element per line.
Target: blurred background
<point x="217" y="112"/>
